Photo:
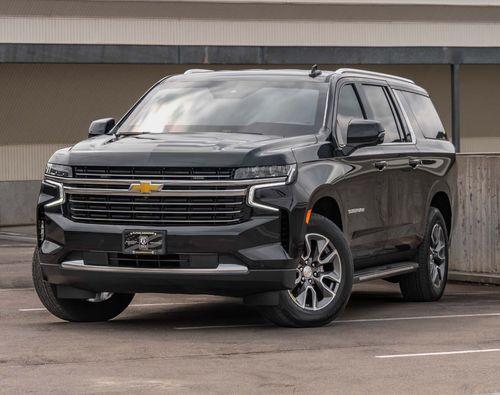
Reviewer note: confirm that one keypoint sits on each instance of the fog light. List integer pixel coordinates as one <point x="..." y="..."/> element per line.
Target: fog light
<point x="48" y="247"/>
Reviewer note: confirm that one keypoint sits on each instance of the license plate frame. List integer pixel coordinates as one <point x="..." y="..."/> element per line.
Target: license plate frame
<point x="144" y="242"/>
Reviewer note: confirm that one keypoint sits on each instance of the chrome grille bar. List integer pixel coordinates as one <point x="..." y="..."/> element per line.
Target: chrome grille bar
<point x="166" y="183"/>
<point x="172" y="193"/>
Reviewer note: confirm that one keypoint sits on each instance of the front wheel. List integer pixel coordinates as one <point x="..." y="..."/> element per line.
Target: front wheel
<point x="427" y="284"/>
<point x="103" y="307"/>
<point x="324" y="279"/>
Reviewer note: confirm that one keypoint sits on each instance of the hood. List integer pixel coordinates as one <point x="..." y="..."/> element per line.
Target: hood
<point x="183" y="150"/>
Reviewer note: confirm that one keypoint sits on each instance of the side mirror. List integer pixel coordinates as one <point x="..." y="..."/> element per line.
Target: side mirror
<point x="101" y="126"/>
<point x="364" y="133"/>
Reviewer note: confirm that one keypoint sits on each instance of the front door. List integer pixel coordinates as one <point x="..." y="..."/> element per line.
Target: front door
<point x="363" y="190"/>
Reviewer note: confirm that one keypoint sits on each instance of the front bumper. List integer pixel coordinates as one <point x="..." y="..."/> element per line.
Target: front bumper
<point x="249" y="258"/>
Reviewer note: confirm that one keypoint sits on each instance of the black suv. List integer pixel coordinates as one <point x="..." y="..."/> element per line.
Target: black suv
<point x="283" y="187"/>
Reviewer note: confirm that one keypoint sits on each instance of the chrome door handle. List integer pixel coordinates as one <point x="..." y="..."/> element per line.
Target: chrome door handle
<point x="381" y="165"/>
<point x="414" y="163"/>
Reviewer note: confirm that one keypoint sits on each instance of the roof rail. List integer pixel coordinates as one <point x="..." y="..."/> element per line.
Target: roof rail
<point x="193" y="71"/>
<point x="375" y="74"/>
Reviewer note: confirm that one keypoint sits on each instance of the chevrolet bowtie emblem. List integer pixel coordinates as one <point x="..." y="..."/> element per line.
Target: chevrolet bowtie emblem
<point x="145" y="187"/>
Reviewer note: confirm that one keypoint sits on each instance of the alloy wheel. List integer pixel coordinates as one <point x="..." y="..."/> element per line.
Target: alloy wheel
<point x="437" y="256"/>
<point x="319" y="274"/>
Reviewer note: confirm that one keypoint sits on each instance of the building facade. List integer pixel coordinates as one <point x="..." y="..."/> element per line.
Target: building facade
<point x="65" y="63"/>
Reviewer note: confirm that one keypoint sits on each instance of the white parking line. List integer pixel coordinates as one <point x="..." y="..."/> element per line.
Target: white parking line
<point x="187" y="328"/>
<point x="132" y="305"/>
<point x="432" y="354"/>
<point x="427" y="317"/>
<point x="422" y="317"/>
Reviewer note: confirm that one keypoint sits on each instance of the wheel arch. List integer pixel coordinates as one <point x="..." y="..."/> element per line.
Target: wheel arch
<point x="442" y="202"/>
<point x="328" y="207"/>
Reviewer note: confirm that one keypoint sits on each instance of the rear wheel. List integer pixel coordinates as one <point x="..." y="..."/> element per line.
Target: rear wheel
<point x="427" y="284"/>
<point x="324" y="279"/>
<point x="104" y="306"/>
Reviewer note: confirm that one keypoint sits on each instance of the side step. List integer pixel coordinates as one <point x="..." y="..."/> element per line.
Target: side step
<point x="394" y="269"/>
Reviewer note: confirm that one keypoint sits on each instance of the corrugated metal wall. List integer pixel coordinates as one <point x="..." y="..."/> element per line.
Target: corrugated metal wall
<point x="245" y="32"/>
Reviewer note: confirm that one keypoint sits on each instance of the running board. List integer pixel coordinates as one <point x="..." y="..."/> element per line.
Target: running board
<point x="394" y="269"/>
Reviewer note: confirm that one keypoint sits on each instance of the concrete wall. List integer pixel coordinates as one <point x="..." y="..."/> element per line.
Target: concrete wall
<point x="17" y="202"/>
<point x="475" y="251"/>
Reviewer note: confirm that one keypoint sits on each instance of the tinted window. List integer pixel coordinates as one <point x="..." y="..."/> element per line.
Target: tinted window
<point x="382" y="112"/>
<point x="284" y="108"/>
<point x="423" y="115"/>
<point x="348" y="109"/>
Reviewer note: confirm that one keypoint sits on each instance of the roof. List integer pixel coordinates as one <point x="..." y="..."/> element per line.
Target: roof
<point x="290" y="73"/>
<point x="293" y="73"/>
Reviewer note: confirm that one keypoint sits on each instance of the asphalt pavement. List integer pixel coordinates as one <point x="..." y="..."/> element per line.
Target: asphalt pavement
<point x="203" y="344"/>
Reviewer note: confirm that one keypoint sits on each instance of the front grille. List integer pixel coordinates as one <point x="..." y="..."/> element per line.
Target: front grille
<point x="158" y="210"/>
<point x="148" y="261"/>
<point x="156" y="173"/>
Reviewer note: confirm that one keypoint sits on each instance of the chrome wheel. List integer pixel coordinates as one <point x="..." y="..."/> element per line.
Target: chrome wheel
<point x="319" y="274"/>
<point x="437" y="256"/>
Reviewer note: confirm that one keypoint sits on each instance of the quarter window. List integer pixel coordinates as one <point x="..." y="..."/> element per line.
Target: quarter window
<point x="383" y="112"/>
<point x="424" y="115"/>
<point x="348" y="109"/>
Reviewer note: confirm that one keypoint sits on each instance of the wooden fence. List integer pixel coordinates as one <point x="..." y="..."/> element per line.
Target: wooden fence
<point x="475" y="251"/>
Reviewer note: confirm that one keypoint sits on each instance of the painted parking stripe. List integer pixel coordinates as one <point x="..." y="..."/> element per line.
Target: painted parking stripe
<point x="132" y="305"/>
<point x="188" y="328"/>
<point x="422" y="317"/>
<point x="433" y="354"/>
<point x="428" y="317"/>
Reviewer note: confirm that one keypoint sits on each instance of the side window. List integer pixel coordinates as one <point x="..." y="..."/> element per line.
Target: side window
<point x="425" y="116"/>
<point x="383" y="112"/>
<point x="348" y="108"/>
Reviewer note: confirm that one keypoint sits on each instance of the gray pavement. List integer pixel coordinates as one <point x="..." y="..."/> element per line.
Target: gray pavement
<point x="202" y="344"/>
<point x="16" y="250"/>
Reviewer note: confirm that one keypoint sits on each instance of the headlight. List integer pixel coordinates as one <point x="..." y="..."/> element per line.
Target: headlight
<point x="53" y="169"/>
<point x="246" y="173"/>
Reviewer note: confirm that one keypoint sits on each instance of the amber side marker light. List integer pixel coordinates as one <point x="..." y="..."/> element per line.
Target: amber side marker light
<point x="308" y="215"/>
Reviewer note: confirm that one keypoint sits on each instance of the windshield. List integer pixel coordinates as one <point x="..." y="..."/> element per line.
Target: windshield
<point x="230" y="106"/>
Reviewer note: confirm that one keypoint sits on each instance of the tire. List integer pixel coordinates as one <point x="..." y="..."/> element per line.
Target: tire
<point x="76" y="310"/>
<point x="296" y="310"/>
<point x="422" y="285"/>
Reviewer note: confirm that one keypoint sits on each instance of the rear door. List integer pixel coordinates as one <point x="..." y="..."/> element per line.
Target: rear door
<point x="433" y="157"/>
<point x="397" y="151"/>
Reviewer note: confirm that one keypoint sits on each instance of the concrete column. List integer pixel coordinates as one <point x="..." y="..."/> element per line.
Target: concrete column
<point x="455" y="105"/>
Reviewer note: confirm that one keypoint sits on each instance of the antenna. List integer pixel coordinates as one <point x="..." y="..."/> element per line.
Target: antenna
<point x="314" y="71"/>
